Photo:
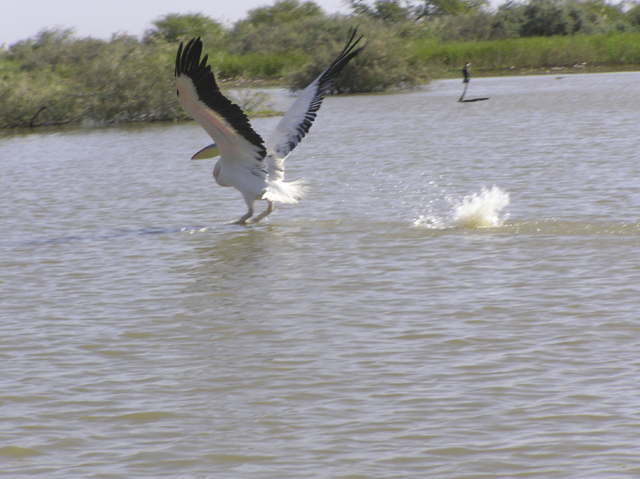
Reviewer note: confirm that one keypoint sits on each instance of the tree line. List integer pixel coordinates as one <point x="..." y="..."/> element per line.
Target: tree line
<point x="57" y="78"/>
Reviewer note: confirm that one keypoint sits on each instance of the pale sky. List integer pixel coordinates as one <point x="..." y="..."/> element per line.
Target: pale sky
<point x="22" y="19"/>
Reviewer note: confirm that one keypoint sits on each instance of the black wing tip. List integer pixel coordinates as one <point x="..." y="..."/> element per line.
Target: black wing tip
<point x="188" y="56"/>
<point x="349" y="51"/>
<point x="191" y="63"/>
<point x="330" y="75"/>
<point x="353" y="31"/>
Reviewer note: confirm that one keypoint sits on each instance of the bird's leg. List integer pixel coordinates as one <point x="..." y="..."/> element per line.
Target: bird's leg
<point x="265" y="213"/>
<point x="464" y="92"/>
<point x="243" y="220"/>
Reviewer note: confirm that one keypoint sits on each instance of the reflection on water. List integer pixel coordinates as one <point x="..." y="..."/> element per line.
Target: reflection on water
<point x="456" y="297"/>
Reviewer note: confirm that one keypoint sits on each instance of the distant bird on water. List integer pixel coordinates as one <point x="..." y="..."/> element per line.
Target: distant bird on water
<point x="247" y="163"/>
<point x="466" y="78"/>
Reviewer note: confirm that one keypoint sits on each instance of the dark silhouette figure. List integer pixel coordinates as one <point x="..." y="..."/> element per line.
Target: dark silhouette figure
<point x="466" y="80"/>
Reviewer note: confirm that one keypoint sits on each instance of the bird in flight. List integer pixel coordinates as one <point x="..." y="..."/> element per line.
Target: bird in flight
<point x="248" y="163"/>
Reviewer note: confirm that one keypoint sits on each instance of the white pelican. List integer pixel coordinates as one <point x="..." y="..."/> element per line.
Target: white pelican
<point x="248" y="164"/>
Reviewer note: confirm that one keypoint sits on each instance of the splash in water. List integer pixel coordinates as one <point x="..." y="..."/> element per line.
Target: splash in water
<point x="473" y="211"/>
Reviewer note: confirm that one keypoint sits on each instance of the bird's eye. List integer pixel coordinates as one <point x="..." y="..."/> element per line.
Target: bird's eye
<point x="177" y="92"/>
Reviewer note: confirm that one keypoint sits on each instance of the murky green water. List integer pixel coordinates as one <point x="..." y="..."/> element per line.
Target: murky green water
<point x="373" y="330"/>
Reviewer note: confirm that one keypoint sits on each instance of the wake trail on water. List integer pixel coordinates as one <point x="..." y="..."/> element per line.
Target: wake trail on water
<point x="478" y="210"/>
<point x="114" y="234"/>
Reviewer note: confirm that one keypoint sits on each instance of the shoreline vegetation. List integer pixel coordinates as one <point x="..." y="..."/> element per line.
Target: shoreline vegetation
<point x="55" y="78"/>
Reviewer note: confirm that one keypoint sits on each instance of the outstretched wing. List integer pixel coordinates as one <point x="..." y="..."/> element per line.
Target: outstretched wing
<point x="223" y="120"/>
<point x="296" y="122"/>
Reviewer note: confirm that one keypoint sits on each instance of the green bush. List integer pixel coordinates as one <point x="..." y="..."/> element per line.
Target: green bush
<point x="174" y="27"/>
<point x="385" y="63"/>
<point x="71" y="81"/>
<point x="633" y="16"/>
<point x="257" y="66"/>
<point x="467" y="27"/>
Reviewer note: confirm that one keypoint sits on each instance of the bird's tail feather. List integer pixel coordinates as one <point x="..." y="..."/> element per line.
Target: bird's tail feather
<point x="285" y="192"/>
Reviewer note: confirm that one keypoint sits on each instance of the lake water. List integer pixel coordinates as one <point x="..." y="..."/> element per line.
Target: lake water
<point x="457" y="297"/>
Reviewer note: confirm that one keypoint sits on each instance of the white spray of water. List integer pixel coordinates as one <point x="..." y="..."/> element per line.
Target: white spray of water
<point x="473" y="211"/>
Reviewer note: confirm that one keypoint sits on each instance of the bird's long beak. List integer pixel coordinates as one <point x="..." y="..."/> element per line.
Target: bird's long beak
<point x="207" y="152"/>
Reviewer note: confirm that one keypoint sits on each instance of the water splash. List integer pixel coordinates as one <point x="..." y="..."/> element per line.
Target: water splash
<point x="483" y="210"/>
<point x="473" y="211"/>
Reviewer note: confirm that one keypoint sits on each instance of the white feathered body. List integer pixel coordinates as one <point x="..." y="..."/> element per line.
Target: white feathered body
<point x="256" y="182"/>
